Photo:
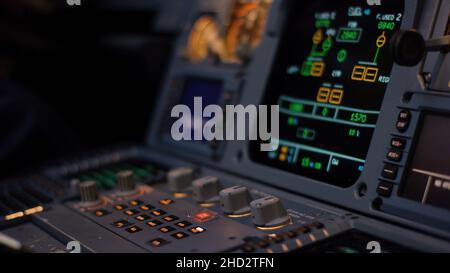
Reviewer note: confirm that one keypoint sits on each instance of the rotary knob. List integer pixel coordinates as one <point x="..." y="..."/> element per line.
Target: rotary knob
<point x="125" y="182"/>
<point x="269" y="212"/>
<point x="235" y="200"/>
<point x="407" y="47"/>
<point x="89" y="194"/>
<point x="180" y="179"/>
<point x="206" y="189"/>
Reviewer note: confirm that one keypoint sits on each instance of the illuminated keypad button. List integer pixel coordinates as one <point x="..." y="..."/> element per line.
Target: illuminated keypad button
<point x="154" y="223"/>
<point x="197" y="230"/>
<point x="158" y="242"/>
<point x="131" y="212"/>
<point x="122" y="223"/>
<point x="133" y="229"/>
<point x="166" y="202"/>
<point x="179" y="235"/>
<point x="142" y="217"/>
<point x="135" y="202"/>
<point x="203" y="216"/>
<point x="120" y="207"/>
<point x="158" y="212"/>
<point x="146" y="207"/>
<point x="170" y="218"/>
<point x="183" y="224"/>
<point x="101" y="212"/>
<point x="166" y="229"/>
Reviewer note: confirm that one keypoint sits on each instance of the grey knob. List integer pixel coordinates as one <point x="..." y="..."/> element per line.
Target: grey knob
<point x="125" y="182"/>
<point x="206" y="189"/>
<point x="268" y="212"/>
<point x="180" y="179"/>
<point x="235" y="200"/>
<point x="89" y="193"/>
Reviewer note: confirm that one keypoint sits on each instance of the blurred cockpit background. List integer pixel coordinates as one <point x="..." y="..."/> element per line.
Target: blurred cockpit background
<point x="83" y="77"/>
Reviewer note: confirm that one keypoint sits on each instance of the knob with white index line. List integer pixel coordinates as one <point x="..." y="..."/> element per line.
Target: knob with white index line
<point x="206" y="189"/>
<point x="268" y="212"/>
<point x="180" y="179"/>
<point x="235" y="200"/>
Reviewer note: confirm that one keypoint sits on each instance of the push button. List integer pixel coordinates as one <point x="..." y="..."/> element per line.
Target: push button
<point x="398" y="143"/>
<point x="404" y="115"/>
<point x="389" y="171"/>
<point x="133" y="229"/>
<point x="402" y="126"/>
<point x="146" y="207"/>
<point x="158" y="242"/>
<point x="197" y="230"/>
<point x="158" y="212"/>
<point x="394" y="155"/>
<point x="135" y="202"/>
<point x="154" y="223"/>
<point x="183" y="224"/>
<point x="166" y="202"/>
<point x="179" y="235"/>
<point x="170" y="218"/>
<point x="403" y="121"/>
<point x="203" y="216"/>
<point x="131" y="212"/>
<point x="101" y="212"/>
<point x="385" y="189"/>
<point x="122" y="223"/>
<point x="166" y="229"/>
<point x="120" y="207"/>
<point x="142" y="217"/>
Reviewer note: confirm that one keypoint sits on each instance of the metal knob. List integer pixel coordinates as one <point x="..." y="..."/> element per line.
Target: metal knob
<point x="268" y="212"/>
<point x="88" y="193"/>
<point x="235" y="200"/>
<point x="180" y="179"/>
<point x="125" y="182"/>
<point x="206" y="189"/>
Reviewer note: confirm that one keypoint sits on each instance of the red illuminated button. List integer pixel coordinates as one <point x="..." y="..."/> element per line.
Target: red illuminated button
<point x="203" y="216"/>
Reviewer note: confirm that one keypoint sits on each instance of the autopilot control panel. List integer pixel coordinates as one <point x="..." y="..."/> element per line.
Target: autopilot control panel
<point x="363" y="90"/>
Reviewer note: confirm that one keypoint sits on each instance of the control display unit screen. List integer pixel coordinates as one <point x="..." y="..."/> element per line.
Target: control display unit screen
<point x="329" y="79"/>
<point x="428" y="177"/>
<point x="210" y="91"/>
